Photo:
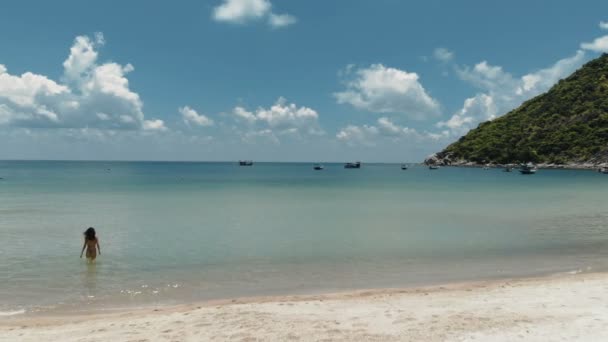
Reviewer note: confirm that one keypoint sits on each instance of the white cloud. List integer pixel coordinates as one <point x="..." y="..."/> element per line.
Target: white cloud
<point x="284" y="115"/>
<point x="241" y="11"/>
<point x="243" y="114"/>
<point x="380" y="89"/>
<point x="503" y="92"/>
<point x="281" y="20"/>
<point x="191" y="117"/>
<point x="246" y="11"/>
<point x="598" y="45"/>
<point x="388" y="128"/>
<point x="443" y="54"/>
<point x="370" y="134"/>
<point x="282" y="118"/>
<point x="354" y="135"/>
<point x="262" y="134"/>
<point x="82" y="56"/>
<point x="94" y="95"/>
<point x="476" y="109"/>
<point x="154" y="125"/>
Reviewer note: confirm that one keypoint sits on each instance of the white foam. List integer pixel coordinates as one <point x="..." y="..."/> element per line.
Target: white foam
<point x="12" y="313"/>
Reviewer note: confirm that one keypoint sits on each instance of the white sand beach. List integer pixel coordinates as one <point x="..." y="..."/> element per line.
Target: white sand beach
<point x="559" y="308"/>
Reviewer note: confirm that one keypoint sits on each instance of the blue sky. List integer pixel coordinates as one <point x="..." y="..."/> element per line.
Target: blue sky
<point x="381" y="80"/>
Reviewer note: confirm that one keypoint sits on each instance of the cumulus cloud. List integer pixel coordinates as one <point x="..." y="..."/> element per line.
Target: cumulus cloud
<point x="154" y="125"/>
<point x="381" y="89"/>
<point x="260" y="135"/>
<point x="281" y="20"/>
<point x="191" y="117"/>
<point x="246" y="11"/>
<point x="370" y="134"/>
<point x="353" y="135"/>
<point x="443" y="54"/>
<point x="476" y="109"/>
<point x="92" y="95"/>
<point x="599" y="44"/>
<point x="281" y="118"/>
<point x="501" y="91"/>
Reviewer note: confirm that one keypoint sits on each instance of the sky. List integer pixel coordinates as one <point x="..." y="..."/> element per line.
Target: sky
<point x="276" y="80"/>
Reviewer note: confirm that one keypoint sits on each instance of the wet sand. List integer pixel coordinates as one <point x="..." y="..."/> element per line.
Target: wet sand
<point x="571" y="307"/>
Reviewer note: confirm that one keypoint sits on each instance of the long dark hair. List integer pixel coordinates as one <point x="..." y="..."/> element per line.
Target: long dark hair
<point x="89" y="234"/>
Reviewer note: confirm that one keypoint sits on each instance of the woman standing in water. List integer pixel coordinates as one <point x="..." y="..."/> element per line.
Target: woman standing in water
<point x="91" y="243"/>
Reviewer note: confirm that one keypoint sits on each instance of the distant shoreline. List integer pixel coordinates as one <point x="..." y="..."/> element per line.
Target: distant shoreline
<point x="585" y="167"/>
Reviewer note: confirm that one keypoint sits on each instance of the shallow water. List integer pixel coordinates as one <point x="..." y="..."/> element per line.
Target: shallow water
<point x="176" y="232"/>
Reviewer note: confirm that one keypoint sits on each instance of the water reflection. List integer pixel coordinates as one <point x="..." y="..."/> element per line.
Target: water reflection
<point x="90" y="280"/>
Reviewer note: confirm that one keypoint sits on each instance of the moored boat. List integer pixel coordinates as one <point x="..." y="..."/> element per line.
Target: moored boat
<point x="433" y="167"/>
<point x="245" y="162"/>
<point x="318" y="167"/>
<point x="603" y="169"/>
<point x="403" y="166"/>
<point x="527" y="169"/>
<point x="355" y="165"/>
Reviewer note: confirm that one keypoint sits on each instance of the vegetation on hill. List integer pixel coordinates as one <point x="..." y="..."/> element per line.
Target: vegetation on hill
<point x="568" y="124"/>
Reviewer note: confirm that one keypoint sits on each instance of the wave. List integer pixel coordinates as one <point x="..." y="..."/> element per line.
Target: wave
<point x="11" y="313"/>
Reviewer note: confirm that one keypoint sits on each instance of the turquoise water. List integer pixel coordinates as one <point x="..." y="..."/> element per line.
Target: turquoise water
<point x="177" y="232"/>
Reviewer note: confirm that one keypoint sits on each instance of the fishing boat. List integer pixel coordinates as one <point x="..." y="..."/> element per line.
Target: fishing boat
<point x="355" y="165"/>
<point x="318" y="167"/>
<point x="403" y="166"/>
<point x="245" y="162"/>
<point x="528" y="169"/>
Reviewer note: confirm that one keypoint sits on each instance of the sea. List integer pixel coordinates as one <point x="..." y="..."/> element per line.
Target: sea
<point x="181" y="232"/>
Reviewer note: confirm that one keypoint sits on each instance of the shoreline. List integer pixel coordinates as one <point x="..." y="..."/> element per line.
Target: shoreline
<point x="572" y="167"/>
<point x="72" y="310"/>
<point x="492" y="309"/>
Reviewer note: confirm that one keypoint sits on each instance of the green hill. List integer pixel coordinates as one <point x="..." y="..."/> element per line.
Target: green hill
<point x="568" y="124"/>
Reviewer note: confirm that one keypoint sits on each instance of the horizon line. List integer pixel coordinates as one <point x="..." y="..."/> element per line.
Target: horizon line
<point x="199" y="161"/>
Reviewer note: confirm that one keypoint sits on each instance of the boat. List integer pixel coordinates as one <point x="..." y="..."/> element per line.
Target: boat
<point x="318" y="167"/>
<point x="527" y="169"/>
<point x="245" y="162"/>
<point x="603" y="169"/>
<point x="355" y="165"/>
<point x="486" y="167"/>
<point x="433" y="167"/>
<point x="403" y="166"/>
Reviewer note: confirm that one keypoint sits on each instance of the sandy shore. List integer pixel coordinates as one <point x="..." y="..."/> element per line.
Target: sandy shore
<point x="561" y="308"/>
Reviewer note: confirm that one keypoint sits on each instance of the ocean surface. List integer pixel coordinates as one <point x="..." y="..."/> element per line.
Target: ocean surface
<point x="177" y="232"/>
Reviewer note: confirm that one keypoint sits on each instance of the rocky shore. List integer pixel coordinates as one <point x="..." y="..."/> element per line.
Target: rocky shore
<point x="446" y="159"/>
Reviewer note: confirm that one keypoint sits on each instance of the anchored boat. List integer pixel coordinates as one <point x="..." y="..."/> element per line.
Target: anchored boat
<point x="528" y="169"/>
<point x="356" y="165"/>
